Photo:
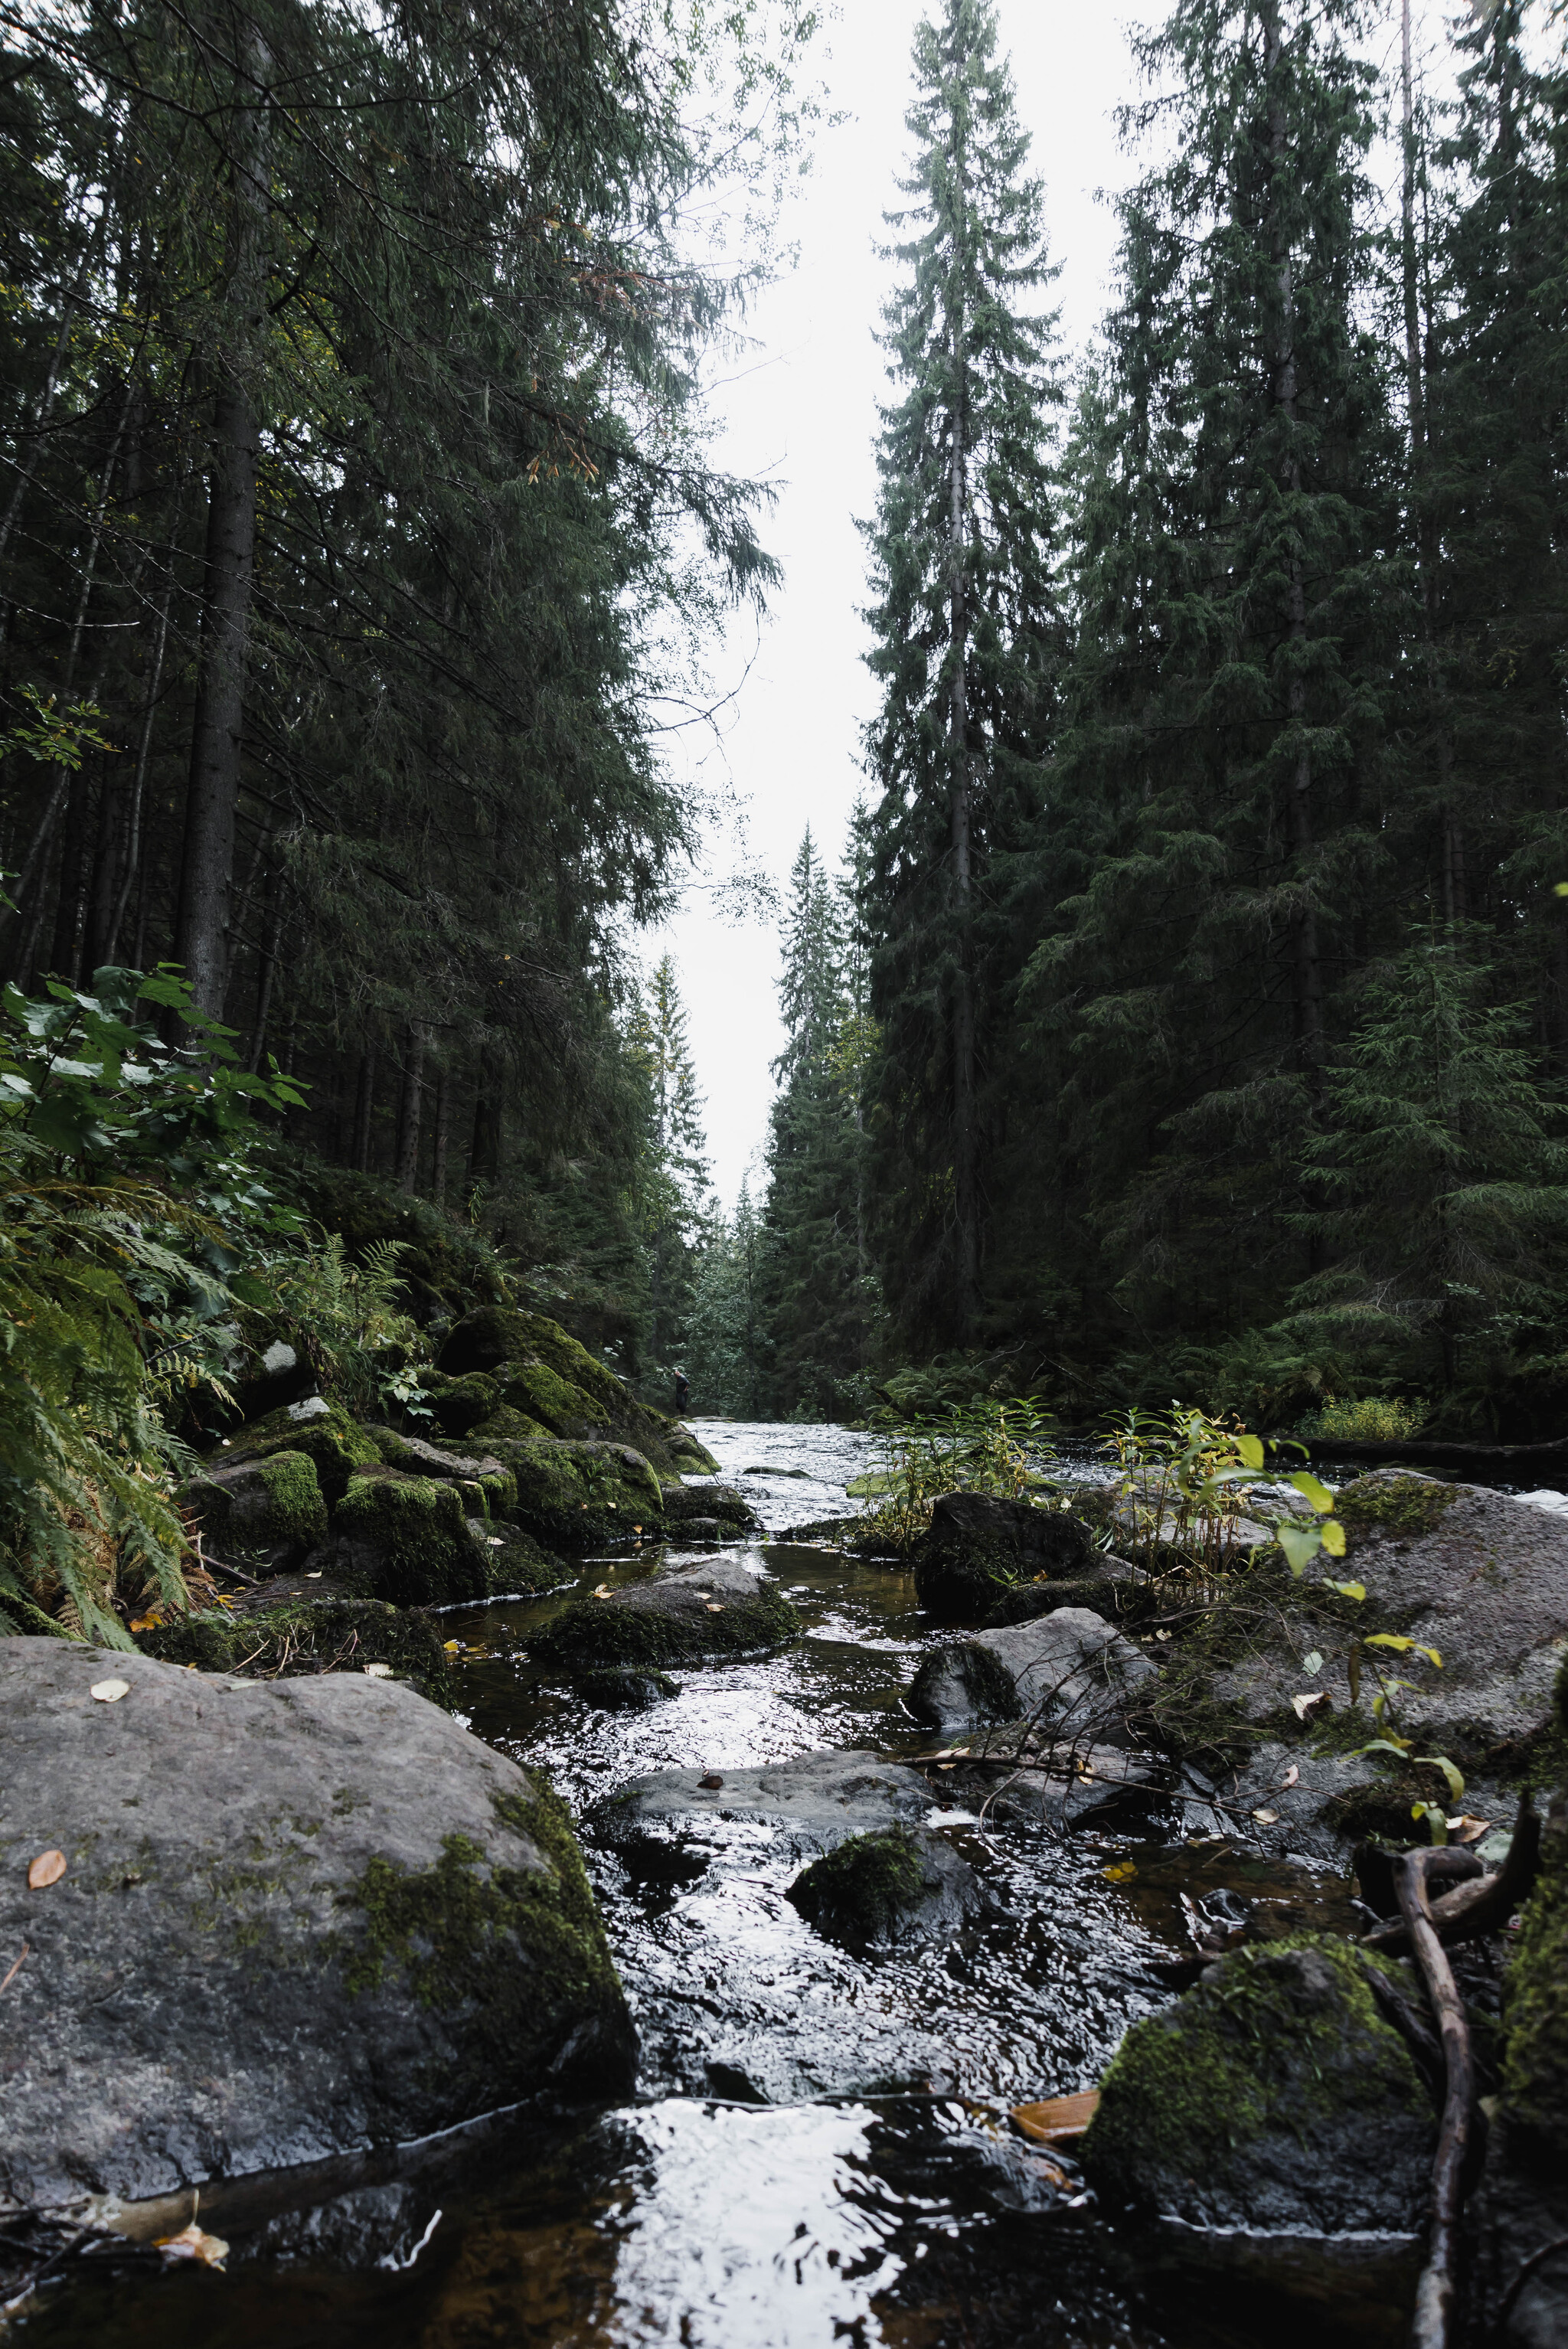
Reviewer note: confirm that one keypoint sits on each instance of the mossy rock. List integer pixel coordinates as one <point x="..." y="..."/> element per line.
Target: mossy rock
<point x="458" y="1405"/>
<point x="684" y="1615"/>
<point x="445" y="1264"/>
<point x="337" y="1444"/>
<point x="546" y="1374"/>
<point x="625" y="1690"/>
<point x="719" y="1503"/>
<point x="1535" y="2003"/>
<point x="309" y="1637"/>
<point x="986" y="1691"/>
<point x="505" y="1425"/>
<point x="866" y="1889"/>
<point x="475" y="1474"/>
<point x="1121" y="1598"/>
<point x="1272" y="2095"/>
<point x="577" y="1496"/>
<point x="408" y="1537"/>
<point x="514" y="1561"/>
<point x="268" y="1511"/>
<point x="1392" y="1500"/>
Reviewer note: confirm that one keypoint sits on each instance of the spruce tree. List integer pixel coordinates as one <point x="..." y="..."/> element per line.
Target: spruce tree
<point x="674" y="1177"/>
<point x="966" y="625"/>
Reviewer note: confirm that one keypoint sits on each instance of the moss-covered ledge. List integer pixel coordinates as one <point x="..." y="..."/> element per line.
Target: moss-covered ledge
<point x="456" y="1930"/>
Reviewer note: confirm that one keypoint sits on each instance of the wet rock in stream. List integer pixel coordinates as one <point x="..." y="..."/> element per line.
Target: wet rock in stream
<point x="812" y="1804"/>
<point x="623" y="1689"/>
<point x="1070" y="1669"/>
<point x="295" y="1919"/>
<point x="1274" y="2123"/>
<point x="976" y="1542"/>
<point x="887" y="1886"/>
<point x="688" y="1611"/>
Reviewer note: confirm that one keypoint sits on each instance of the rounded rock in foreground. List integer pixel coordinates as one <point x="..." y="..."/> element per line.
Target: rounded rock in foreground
<point x="301" y="1918"/>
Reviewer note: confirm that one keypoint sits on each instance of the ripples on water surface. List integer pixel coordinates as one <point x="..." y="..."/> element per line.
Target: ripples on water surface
<point x="820" y="2153"/>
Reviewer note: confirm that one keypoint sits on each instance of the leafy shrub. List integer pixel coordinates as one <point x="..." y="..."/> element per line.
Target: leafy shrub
<point x="995" y="1447"/>
<point x="1365" y="1419"/>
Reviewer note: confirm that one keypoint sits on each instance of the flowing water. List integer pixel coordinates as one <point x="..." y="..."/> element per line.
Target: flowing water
<point x="819" y="2152"/>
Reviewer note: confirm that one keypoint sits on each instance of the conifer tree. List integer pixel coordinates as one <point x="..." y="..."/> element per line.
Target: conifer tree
<point x="965" y="614"/>
<point x="674" y="1184"/>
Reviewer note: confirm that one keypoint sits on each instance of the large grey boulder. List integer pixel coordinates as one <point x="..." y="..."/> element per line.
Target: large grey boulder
<point x="297" y="1919"/>
<point x="1069" y="1670"/>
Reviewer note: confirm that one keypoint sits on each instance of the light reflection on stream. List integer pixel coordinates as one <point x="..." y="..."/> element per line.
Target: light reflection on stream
<point x="822" y="2153"/>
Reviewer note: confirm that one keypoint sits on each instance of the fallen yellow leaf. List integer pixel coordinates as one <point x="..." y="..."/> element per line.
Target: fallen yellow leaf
<point x="1120" y="1873"/>
<point x="1058" y="2118"/>
<point x="452" y="1646"/>
<point x="47" y="1869"/>
<point x="715" y="1606"/>
<point x="192" y="2243"/>
<point x="147" y="1623"/>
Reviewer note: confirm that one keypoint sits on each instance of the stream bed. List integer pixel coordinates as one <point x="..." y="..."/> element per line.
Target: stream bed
<point x="819" y="2152"/>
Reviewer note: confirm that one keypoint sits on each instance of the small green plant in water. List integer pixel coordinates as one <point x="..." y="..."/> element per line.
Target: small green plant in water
<point x="992" y="1447"/>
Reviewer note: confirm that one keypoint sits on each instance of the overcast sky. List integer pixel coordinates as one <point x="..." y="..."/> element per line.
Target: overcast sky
<point x="800" y="411"/>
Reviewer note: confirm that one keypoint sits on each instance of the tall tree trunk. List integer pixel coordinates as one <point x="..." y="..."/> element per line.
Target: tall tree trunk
<point x="443" y="1138"/>
<point x="1427" y="552"/>
<point x="966" y="1172"/>
<point x="133" y="840"/>
<point x="484" y="1153"/>
<point x="1307" y="974"/>
<point x="409" y="1119"/>
<point x="201" y="930"/>
<point x="365" y="1103"/>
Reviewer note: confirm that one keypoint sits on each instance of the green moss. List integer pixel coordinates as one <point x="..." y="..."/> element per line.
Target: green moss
<point x="307" y="1637"/>
<point x="505" y="1425"/>
<point x="591" y="1632"/>
<point x="992" y="1691"/>
<point x="576" y="1496"/>
<point x="1118" y="1599"/>
<point x="1389" y="1502"/>
<point x="545" y="1394"/>
<point x="964" y="1577"/>
<point x="411" y="1534"/>
<point x="1535" y="2003"/>
<point x="458" y="1404"/>
<point x="1241" y="2055"/>
<point x="293" y="1488"/>
<point x="334" y="1441"/>
<point x="524" y="1947"/>
<point x="865" y="1889"/>
<point x="514" y="1561"/>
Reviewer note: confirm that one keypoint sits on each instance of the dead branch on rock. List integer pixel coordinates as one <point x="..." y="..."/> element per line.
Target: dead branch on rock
<point x="1480" y="1905"/>
<point x="1432" y="2326"/>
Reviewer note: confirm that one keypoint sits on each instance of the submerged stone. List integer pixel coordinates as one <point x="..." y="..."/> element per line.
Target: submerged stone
<point x="298" y="1919"/>
<point x="622" y="1688"/>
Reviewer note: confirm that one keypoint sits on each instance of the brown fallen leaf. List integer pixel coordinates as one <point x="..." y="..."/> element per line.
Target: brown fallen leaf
<point x="1291" y="1775"/>
<point x="16" y="1968"/>
<point x="1059" y="2118"/>
<point x="1468" y="1830"/>
<point x="47" y="1869"/>
<point x="147" y="1623"/>
<point x="192" y="2243"/>
<point x="1313" y="1701"/>
<point x="604" y="1591"/>
<point x="716" y="1606"/>
<point x="1265" y="1819"/>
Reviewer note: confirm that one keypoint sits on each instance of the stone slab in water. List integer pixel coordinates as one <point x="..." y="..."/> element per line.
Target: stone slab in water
<point x="1071" y="1667"/>
<point x="816" y="1802"/>
<point x="297" y="1919"/>
<point x="684" y="1613"/>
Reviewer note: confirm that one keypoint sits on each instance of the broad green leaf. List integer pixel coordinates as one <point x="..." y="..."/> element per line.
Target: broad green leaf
<point x="1300" y="1544"/>
<point x="1307" y="1485"/>
<point x="1356" y="1590"/>
<point x="1312" y="1664"/>
<point x="1387" y="1744"/>
<point x="1440" y="1762"/>
<point x="1334" y="1537"/>
<point x="1251" y="1450"/>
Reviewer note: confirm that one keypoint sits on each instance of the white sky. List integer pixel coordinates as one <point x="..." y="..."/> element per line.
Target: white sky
<point x="802" y="412"/>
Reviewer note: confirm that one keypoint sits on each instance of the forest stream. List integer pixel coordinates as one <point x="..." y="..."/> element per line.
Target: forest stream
<point x="820" y="2150"/>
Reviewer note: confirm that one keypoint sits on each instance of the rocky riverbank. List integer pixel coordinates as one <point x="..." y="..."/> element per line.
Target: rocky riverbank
<point x="849" y="1833"/>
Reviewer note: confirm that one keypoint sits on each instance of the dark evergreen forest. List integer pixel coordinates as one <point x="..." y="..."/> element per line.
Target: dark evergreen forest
<point x="1186" y="1009"/>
